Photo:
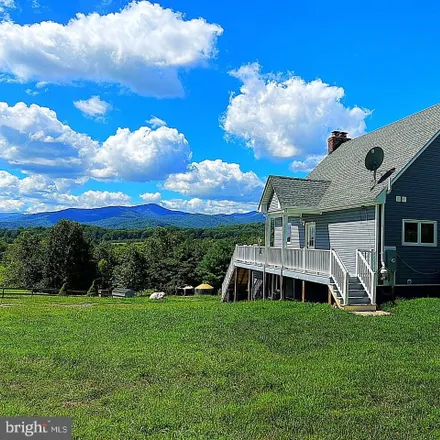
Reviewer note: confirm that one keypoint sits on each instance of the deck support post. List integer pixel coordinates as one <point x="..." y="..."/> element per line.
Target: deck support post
<point x="330" y="297"/>
<point x="303" y="291"/>
<point x="249" y="284"/>
<point x="281" y="286"/>
<point x="236" y="284"/>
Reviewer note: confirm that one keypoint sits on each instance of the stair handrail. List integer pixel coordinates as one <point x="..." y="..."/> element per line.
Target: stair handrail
<point x="340" y="281"/>
<point x="366" y="275"/>
<point x="229" y="273"/>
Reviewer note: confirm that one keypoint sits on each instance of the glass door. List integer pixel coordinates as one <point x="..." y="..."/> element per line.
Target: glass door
<point x="310" y="235"/>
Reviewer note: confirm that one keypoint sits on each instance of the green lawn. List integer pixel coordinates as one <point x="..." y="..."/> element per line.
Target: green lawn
<point x="194" y="368"/>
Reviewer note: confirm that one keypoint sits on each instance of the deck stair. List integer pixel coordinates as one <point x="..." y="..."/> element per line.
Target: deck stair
<point x="358" y="299"/>
<point x="229" y="277"/>
<point x="242" y="282"/>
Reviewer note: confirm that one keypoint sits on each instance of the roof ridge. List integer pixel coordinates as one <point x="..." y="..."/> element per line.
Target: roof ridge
<point x="305" y="179"/>
<point x="392" y="123"/>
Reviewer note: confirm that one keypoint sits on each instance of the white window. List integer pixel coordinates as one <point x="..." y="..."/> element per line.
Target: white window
<point x="419" y="233"/>
<point x="310" y="235"/>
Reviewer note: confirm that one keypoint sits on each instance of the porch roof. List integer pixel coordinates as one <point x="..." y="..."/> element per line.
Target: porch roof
<point x="294" y="192"/>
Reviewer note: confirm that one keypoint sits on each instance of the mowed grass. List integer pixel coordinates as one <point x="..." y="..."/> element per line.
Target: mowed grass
<point x="194" y="368"/>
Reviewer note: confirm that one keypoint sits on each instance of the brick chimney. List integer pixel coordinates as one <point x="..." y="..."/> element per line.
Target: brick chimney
<point x="336" y="139"/>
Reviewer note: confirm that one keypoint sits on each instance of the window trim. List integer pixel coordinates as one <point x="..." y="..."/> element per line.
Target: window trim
<point x="419" y="232"/>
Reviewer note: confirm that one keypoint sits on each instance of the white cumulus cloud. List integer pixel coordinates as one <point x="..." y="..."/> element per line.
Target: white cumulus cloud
<point x="287" y="117"/>
<point x="37" y="193"/>
<point x="32" y="139"/>
<point x="308" y="164"/>
<point x="217" y="180"/>
<point x="10" y="205"/>
<point x="154" y="121"/>
<point x="200" y="206"/>
<point x="141" y="48"/>
<point x="6" y="5"/>
<point x="93" y="107"/>
<point x="142" y="155"/>
<point x="151" y="197"/>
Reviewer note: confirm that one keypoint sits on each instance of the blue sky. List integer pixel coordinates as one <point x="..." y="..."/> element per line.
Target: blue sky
<point x="192" y="104"/>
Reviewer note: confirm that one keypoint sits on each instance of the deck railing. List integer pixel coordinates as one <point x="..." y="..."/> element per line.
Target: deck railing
<point x="316" y="261"/>
<point x="251" y="254"/>
<point x="340" y="275"/>
<point x="365" y="272"/>
<point x="274" y="257"/>
<point x="369" y="255"/>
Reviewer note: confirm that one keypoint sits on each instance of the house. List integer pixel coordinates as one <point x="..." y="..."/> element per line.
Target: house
<point x="346" y="229"/>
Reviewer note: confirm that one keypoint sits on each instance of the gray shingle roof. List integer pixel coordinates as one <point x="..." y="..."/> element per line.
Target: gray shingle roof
<point x="343" y="174"/>
<point x="298" y="192"/>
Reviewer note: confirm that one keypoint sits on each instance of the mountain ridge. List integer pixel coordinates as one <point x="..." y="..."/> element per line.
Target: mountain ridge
<point x="128" y="217"/>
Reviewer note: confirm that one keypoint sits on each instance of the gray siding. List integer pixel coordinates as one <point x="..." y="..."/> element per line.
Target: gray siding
<point x="274" y="204"/>
<point x="296" y="233"/>
<point x="278" y="231"/>
<point x="420" y="184"/>
<point x="345" y="231"/>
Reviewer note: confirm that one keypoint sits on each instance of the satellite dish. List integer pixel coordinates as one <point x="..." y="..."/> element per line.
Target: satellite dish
<point x="373" y="160"/>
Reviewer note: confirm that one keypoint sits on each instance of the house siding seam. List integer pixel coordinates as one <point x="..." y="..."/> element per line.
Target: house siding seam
<point x="420" y="185"/>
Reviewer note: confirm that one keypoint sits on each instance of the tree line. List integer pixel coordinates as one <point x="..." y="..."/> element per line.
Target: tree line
<point x="82" y="257"/>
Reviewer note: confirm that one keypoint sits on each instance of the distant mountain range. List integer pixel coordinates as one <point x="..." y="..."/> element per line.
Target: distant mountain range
<point x="128" y="217"/>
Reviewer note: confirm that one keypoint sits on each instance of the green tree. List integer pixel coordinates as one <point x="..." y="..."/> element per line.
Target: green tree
<point x="105" y="272"/>
<point x="130" y="271"/>
<point x="213" y="266"/>
<point x="24" y="261"/>
<point x="68" y="257"/>
<point x="3" y="248"/>
<point x="159" y="257"/>
<point x="187" y="256"/>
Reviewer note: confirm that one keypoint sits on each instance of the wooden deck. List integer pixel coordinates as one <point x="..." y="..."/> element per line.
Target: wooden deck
<point x="322" y="266"/>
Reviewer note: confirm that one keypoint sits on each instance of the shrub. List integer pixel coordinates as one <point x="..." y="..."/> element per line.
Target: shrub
<point x="63" y="290"/>
<point x="93" y="290"/>
<point x="145" y="292"/>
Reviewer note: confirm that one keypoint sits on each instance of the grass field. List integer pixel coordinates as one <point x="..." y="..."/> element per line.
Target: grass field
<point x="193" y="368"/>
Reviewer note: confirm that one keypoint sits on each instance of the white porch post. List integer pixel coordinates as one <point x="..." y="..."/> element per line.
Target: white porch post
<point x="267" y="231"/>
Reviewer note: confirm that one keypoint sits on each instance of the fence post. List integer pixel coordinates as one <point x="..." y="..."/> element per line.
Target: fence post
<point x="304" y="259"/>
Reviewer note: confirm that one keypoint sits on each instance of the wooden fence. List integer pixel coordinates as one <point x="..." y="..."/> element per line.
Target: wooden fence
<point x="24" y="291"/>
